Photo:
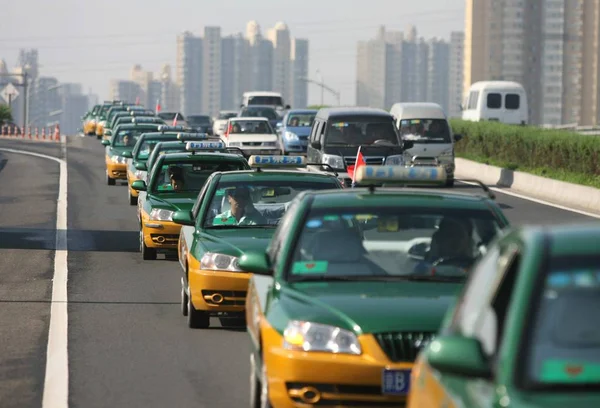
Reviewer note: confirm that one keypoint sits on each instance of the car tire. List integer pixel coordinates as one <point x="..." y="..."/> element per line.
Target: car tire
<point x="110" y="181"/>
<point x="148" y="254"/>
<point x="450" y="182"/>
<point x="197" y="319"/>
<point x="236" y="322"/>
<point x="184" y="301"/>
<point x="98" y="137"/>
<point x="132" y="200"/>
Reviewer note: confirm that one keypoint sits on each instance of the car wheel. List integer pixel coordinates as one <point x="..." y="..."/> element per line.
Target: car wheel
<point x="132" y="200"/>
<point x="110" y="181"/>
<point x="184" y="301"/>
<point x="148" y="254"/>
<point x="197" y="319"/>
<point x="98" y="137"/>
<point x="450" y="182"/>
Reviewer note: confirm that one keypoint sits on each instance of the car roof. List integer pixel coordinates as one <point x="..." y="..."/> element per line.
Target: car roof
<point x="250" y="107"/>
<point x="326" y="113"/>
<point x="134" y="125"/>
<point x="399" y="197"/>
<point x="275" y="174"/>
<point x="292" y="111"/>
<point x="571" y="240"/>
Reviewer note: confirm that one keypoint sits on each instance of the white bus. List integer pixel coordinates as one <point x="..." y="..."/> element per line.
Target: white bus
<point x="501" y="101"/>
<point x="265" y="98"/>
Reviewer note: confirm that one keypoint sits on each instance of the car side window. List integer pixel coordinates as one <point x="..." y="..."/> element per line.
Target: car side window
<point x="274" y="249"/>
<point x="313" y="131"/>
<point x="322" y="133"/>
<point x="199" y="199"/>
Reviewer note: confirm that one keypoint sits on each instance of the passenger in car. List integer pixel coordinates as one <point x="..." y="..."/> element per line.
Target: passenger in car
<point x="242" y="211"/>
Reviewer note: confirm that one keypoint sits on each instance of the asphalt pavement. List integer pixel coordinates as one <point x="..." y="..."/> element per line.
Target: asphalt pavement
<point x="128" y="342"/>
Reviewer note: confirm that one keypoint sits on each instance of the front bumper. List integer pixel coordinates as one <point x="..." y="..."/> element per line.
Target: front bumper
<point x="160" y="234"/>
<point x="117" y="171"/>
<point x="130" y="179"/>
<point x="295" y="147"/>
<point x="99" y="130"/>
<point x="249" y="152"/>
<point x="300" y="379"/>
<point x="217" y="292"/>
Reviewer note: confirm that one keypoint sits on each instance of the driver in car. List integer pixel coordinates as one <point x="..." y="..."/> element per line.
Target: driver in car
<point x="242" y="211"/>
<point x="450" y="244"/>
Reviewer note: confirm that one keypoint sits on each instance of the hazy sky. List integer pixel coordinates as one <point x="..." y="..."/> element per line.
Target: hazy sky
<point x="91" y="42"/>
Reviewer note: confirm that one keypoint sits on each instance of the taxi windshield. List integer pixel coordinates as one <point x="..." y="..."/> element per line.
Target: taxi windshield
<point x="564" y="343"/>
<point x="126" y="138"/>
<point x="390" y="243"/>
<point x="190" y="177"/>
<point x="163" y="150"/>
<point x="425" y="130"/>
<point x="254" y="112"/>
<point x="146" y="149"/>
<point x="301" y="119"/>
<point x="260" y="127"/>
<point x="256" y="204"/>
<point x="354" y="132"/>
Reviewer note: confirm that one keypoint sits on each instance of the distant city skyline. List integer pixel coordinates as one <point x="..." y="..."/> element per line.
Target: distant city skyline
<point x="90" y="44"/>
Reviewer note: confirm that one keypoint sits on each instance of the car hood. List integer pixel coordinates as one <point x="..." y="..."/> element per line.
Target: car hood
<point x="299" y="131"/>
<point x="371" y="307"/>
<point x="252" y="138"/>
<point x="236" y="241"/>
<point x="176" y="202"/>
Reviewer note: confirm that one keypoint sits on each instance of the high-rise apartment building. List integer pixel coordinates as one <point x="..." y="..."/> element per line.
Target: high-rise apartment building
<point x="552" y="47"/>
<point x="282" y="48"/>
<point x="455" y="74"/>
<point x="211" y="72"/>
<point x="299" y="60"/>
<point x="396" y="67"/>
<point x="170" y="96"/>
<point x="190" y="69"/>
<point x="124" y="90"/>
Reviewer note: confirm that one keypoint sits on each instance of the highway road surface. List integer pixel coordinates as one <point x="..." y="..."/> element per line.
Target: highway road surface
<point x="128" y="344"/>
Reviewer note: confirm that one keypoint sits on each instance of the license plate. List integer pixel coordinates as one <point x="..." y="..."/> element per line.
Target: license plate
<point x="395" y="382"/>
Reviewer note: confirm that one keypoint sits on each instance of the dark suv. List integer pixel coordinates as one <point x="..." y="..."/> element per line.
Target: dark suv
<point x="337" y="134"/>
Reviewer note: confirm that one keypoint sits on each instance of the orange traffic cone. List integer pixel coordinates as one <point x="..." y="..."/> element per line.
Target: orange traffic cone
<point x="44" y="133"/>
<point x="57" y="133"/>
<point x="37" y="134"/>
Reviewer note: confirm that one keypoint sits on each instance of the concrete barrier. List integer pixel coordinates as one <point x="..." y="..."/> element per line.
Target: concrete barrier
<point x="558" y="192"/>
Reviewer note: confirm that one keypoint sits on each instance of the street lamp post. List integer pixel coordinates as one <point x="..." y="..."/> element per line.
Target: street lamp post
<point x="323" y="88"/>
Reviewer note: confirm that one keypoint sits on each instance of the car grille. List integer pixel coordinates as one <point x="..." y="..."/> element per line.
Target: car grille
<point x="419" y="161"/>
<point x="252" y="144"/>
<point x="403" y="346"/>
<point x="371" y="160"/>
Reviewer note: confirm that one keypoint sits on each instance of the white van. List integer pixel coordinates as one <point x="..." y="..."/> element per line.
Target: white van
<point x="501" y="101"/>
<point x="426" y="125"/>
<point x="263" y="98"/>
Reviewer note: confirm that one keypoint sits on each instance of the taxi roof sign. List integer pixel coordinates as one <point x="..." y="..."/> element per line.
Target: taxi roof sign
<point x="199" y="146"/>
<point x="277" y="161"/>
<point x="191" y="136"/>
<point x="167" y="128"/>
<point x="366" y="175"/>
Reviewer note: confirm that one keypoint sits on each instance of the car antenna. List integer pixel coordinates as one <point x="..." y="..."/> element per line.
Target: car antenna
<point x="484" y="187"/>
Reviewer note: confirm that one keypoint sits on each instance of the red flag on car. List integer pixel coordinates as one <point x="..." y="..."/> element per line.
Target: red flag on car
<point x="137" y="100"/>
<point x="360" y="161"/>
<point x="175" y="119"/>
<point x="157" y="106"/>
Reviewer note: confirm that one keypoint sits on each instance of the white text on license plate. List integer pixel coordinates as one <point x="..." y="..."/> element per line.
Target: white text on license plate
<point x="395" y="382"/>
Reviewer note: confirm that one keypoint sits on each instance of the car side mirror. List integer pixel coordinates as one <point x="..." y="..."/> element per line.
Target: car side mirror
<point x="105" y="142"/>
<point x="183" y="217"/>
<point x="256" y="262"/>
<point x="288" y="107"/>
<point x="139" y="185"/>
<point x="141" y="166"/>
<point x="127" y="155"/>
<point x="316" y="145"/>
<point x="407" y="144"/>
<point x="457" y="137"/>
<point x="418" y="251"/>
<point x="458" y="355"/>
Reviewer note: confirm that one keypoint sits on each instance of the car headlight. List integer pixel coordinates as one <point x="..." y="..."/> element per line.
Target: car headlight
<point x="219" y="262"/>
<point x="396" y="160"/>
<point x="158" y="214"/>
<point x="337" y="162"/>
<point x="235" y="144"/>
<point x="292" y="137"/>
<point x="118" y="159"/>
<point x="309" y="336"/>
<point x="139" y="174"/>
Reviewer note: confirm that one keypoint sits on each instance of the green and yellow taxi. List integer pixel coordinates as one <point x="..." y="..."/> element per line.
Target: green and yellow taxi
<point x="89" y="121"/>
<point x="173" y="185"/>
<point x="355" y="282"/>
<point x="101" y="124"/>
<point x="122" y="141"/>
<point x="523" y="333"/>
<point x="122" y="117"/>
<point x="235" y="212"/>
<point x="142" y="150"/>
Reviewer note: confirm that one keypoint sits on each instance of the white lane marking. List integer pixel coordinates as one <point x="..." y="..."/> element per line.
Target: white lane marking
<point x="56" y="382"/>
<point x="536" y="200"/>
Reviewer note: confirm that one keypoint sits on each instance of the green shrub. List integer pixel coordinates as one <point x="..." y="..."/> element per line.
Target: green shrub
<point x="528" y="147"/>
